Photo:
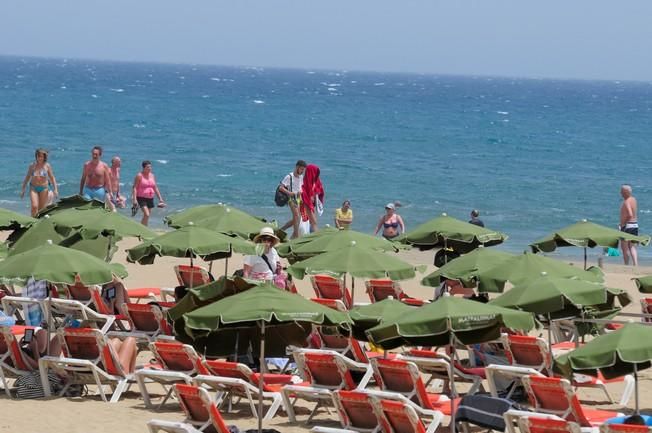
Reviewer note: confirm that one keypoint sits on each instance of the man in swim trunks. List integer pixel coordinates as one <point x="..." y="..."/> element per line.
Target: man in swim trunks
<point x="629" y="223"/>
<point x="95" y="181"/>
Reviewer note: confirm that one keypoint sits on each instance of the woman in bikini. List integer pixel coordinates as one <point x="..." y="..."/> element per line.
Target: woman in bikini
<point x="40" y="177"/>
<point x="144" y="190"/>
<point x="391" y="222"/>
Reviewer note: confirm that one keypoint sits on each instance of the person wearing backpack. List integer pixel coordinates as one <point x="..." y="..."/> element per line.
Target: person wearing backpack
<point x="291" y="186"/>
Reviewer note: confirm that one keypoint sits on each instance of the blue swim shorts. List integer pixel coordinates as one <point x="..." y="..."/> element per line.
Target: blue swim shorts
<point x="94" y="193"/>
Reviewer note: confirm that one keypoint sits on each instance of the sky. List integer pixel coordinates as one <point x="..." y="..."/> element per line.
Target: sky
<point x="583" y="39"/>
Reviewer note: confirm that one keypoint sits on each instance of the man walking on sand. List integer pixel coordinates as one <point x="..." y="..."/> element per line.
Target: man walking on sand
<point x="95" y="182"/>
<point x="291" y="185"/>
<point x="628" y="223"/>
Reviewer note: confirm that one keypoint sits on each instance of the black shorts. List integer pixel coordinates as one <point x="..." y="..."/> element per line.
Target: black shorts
<point x="145" y="202"/>
<point x="631" y="230"/>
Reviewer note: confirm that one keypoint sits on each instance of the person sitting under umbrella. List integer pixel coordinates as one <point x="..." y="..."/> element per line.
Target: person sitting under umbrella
<point x="266" y="265"/>
<point x="35" y="345"/>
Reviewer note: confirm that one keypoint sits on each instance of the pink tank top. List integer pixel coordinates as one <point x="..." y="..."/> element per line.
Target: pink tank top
<point x="146" y="186"/>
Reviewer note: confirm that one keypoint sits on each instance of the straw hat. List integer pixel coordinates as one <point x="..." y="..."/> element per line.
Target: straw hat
<point x="267" y="231"/>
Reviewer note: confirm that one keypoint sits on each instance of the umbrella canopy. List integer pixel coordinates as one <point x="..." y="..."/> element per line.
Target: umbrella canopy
<point x="91" y="222"/>
<point x="189" y="241"/>
<point x="333" y="240"/>
<point x="527" y="266"/>
<point x="10" y="220"/>
<point x="644" y="284"/>
<point x="367" y="316"/>
<point x="585" y="234"/>
<point x="285" y="249"/>
<point x="467" y="267"/>
<point x="44" y="230"/>
<point x="264" y="303"/>
<point x="432" y="324"/>
<point x="354" y="260"/>
<point x="626" y="350"/>
<point x="73" y="201"/>
<point x="547" y="294"/>
<point x="220" y="218"/>
<point x="58" y="265"/>
<point x="450" y="232"/>
<point x="614" y="354"/>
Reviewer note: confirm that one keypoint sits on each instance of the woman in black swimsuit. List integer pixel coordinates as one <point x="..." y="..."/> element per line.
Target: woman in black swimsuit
<point x="391" y="223"/>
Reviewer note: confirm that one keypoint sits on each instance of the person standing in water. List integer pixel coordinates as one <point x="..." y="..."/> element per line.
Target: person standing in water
<point x="40" y="177"/>
<point x="95" y="182"/>
<point x="144" y="190"/>
<point x="628" y="223"/>
<point x="291" y="186"/>
<point x="118" y="199"/>
<point x="344" y="216"/>
<point x="391" y="223"/>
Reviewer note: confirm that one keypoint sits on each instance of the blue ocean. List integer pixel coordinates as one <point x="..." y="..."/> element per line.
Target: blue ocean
<point x="532" y="155"/>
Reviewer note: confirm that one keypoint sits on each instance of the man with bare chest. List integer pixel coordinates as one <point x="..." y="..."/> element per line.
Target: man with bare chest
<point x="95" y="181"/>
<point x="629" y="223"/>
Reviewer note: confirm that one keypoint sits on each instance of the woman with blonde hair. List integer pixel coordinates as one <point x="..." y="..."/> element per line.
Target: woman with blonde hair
<point x="40" y="178"/>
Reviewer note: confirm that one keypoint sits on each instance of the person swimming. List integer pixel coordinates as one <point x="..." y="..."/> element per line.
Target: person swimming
<point x="391" y="223"/>
<point x="40" y="176"/>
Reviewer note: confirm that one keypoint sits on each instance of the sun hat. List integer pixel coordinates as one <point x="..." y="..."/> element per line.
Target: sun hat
<point x="390" y="206"/>
<point x="267" y="231"/>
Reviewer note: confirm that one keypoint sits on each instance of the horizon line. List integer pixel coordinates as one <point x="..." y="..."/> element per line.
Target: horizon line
<point x="323" y="69"/>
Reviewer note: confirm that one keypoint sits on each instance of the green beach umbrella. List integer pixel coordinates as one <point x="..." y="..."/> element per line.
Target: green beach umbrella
<point x="435" y="324"/>
<point x="70" y="202"/>
<point x="260" y="307"/>
<point x="527" y="266"/>
<point x="4" y="250"/>
<point x="44" y="230"/>
<point x="624" y="351"/>
<point x="199" y="296"/>
<point x="367" y="316"/>
<point x="467" y="267"/>
<point x="189" y="241"/>
<point x="356" y="261"/>
<point x="644" y="284"/>
<point x="95" y="221"/>
<point x="220" y="218"/>
<point x="585" y="234"/>
<point x="546" y="294"/>
<point x="338" y="239"/>
<point x="445" y="231"/>
<point x="284" y="249"/>
<point x="58" y="265"/>
<point x="10" y="220"/>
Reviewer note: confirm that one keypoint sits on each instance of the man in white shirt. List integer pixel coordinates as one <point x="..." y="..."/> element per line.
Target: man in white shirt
<point x="291" y="185"/>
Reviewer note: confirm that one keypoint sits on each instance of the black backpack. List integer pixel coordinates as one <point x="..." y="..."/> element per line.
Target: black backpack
<point x="280" y="198"/>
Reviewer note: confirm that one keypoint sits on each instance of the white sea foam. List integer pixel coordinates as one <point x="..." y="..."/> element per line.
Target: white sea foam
<point x="502" y="112"/>
<point x="379" y="84"/>
<point x="162" y="161"/>
<point x="224" y="175"/>
<point x="8" y="201"/>
<point x="93" y="95"/>
<point x="139" y="125"/>
<point x="215" y="79"/>
<point x="332" y="89"/>
<point x="117" y="90"/>
<point x="310" y="72"/>
<point x="63" y="87"/>
<point x="258" y="101"/>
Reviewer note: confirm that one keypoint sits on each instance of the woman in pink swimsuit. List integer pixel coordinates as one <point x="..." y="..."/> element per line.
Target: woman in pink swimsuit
<point x="143" y="192"/>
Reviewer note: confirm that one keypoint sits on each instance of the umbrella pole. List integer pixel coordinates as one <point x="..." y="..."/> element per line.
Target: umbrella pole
<point x="226" y="267"/>
<point x="108" y="249"/>
<point x="549" y="334"/>
<point x="352" y="291"/>
<point x="636" y="389"/>
<point x="49" y="313"/>
<point x="585" y="258"/>
<point x="260" y="376"/>
<point x="451" y="376"/>
<point x="445" y="249"/>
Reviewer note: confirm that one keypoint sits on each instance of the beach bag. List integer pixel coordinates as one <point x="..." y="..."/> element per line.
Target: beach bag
<point x="280" y="198"/>
<point x="29" y="385"/>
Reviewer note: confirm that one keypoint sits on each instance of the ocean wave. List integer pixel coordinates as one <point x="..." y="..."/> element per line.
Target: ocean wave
<point x="224" y="175"/>
<point x="9" y="201"/>
<point x="162" y="161"/>
<point x="139" y="125"/>
<point x="205" y="96"/>
<point x="63" y="87"/>
<point x="117" y="90"/>
<point x="379" y="84"/>
<point x="93" y="95"/>
<point x="258" y="101"/>
<point x="502" y="112"/>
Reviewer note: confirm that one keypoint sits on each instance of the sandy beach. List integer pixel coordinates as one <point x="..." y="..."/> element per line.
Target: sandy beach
<point x="129" y="414"/>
